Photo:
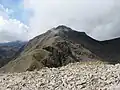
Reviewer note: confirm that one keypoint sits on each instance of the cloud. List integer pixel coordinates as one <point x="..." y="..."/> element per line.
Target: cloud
<point x="11" y="29"/>
<point x="98" y="18"/>
<point x="3" y="11"/>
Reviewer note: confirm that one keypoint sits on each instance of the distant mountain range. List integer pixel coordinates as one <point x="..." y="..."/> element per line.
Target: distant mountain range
<point x="60" y="46"/>
<point x="14" y="43"/>
<point x="9" y="50"/>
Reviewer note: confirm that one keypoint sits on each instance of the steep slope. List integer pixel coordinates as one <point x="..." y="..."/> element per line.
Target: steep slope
<point x="9" y="50"/>
<point x="111" y="50"/>
<point x="57" y="47"/>
<point x="107" y="50"/>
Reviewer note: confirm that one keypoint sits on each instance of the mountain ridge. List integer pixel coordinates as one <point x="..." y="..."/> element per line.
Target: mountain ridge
<point x="60" y="46"/>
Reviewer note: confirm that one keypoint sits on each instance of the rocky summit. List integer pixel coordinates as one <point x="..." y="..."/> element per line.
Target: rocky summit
<point x="51" y="49"/>
<point x="60" y="46"/>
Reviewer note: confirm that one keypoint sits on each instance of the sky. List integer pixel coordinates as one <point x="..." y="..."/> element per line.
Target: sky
<point x="25" y="19"/>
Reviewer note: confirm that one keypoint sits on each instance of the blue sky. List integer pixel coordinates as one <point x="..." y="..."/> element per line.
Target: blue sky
<point x="17" y="7"/>
<point x="14" y="20"/>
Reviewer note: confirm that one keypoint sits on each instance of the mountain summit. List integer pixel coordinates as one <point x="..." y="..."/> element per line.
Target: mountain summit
<point x="60" y="46"/>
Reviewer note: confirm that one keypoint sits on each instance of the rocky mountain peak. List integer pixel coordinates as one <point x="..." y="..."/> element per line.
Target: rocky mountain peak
<point x="63" y="27"/>
<point x="64" y="31"/>
<point x="60" y="46"/>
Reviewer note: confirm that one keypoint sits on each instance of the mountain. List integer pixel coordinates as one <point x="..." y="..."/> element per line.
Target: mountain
<point x="60" y="46"/>
<point x="9" y="50"/>
<point x="13" y="43"/>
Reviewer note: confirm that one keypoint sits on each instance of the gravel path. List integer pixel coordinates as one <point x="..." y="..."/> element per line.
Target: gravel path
<point x="71" y="77"/>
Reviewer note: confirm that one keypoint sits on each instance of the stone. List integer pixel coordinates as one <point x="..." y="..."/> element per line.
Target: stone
<point x="71" y="77"/>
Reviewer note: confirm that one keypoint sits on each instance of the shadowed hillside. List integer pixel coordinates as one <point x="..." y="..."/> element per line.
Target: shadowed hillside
<point x="9" y="50"/>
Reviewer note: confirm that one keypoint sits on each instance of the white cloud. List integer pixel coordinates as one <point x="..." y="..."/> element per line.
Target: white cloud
<point x="3" y="12"/>
<point x="11" y="29"/>
<point x="99" y="18"/>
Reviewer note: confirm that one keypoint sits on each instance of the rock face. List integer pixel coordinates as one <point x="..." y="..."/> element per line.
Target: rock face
<point x="61" y="46"/>
<point x="77" y="76"/>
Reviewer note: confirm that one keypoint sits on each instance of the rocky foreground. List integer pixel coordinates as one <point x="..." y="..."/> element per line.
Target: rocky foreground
<point x="71" y="77"/>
